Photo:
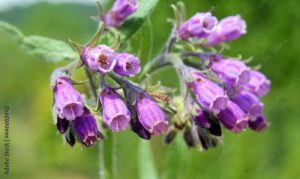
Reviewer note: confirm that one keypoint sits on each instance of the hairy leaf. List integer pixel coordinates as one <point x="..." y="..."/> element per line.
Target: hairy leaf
<point x="12" y="31"/>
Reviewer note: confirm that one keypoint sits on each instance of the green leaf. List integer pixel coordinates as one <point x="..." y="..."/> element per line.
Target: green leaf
<point x="12" y="31"/>
<point x="48" y="49"/>
<point x="134" y="22"/>
<point x="146" y="165"/>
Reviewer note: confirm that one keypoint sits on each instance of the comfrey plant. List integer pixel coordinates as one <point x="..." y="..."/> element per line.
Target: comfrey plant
<point x="215" y="90"/>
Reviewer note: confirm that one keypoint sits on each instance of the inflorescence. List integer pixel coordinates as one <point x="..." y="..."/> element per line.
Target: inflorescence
<point x="214" y="89"/>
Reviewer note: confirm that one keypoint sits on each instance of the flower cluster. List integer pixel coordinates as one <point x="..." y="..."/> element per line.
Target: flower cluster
<point x="215" y="90"/>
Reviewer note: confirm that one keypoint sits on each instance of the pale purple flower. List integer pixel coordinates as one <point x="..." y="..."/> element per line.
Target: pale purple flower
<point x="150" y="115"/>
<point x="231" y="72"/>
<point x="127" y="65"/>
<point x="120" y="11"/>
<point x="249" y="103"/>
<point x="100" y="59"/>
<point x="258" y="84"/>
<point x="198" y="26"/>
<point x="228" y="29"/>
<point x="115" y="112"/>
<point x="86" y="129"/>
<point x="259" y="124"/>
<point x="68" y="102"/>
<point x="208" y="94"/>
<point x="233" y="117"/>
<point x="201" y="119"/>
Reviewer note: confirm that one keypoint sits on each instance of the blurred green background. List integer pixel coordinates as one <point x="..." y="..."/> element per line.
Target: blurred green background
<point x="37" y="151"/>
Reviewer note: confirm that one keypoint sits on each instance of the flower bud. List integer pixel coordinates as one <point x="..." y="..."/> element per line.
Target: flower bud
<point x="228" y="29"/>
<point x="233" y="117"/>
<point x="188" y="138"/>
<point x="249" y="103"/>
<point x="258" y="84"/>
<point x="208" y="94"/>
<point x="150" y="115"/>
<point x="259" y="124"/>
<point x="69" y="136"/>
<point x="127" y="65"/>
<point x="68" y="102"/>
<point x="199" y="26"/>
<point x="231" y="72"/>
<point x="170" y="136"/>
<point x="86" y="129"/>
<point x="201" y="120"/>
<point x="140" y="130"/>
<point x="100" y="59"/>
<point x="120" y="11"/>
<point x="115" y="111"/>
<point x="62" y="125"/>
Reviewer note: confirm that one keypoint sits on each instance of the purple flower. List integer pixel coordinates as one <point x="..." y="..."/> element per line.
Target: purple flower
<point x="259" y="124"/>
<point x="62" y="125"/>
<point x="86" y="128"/>
<point x="258" y="84"/>
<point x="231" y="72"/>
<point x="100" y="59"/>
<point x="228" y="29"/>
<point x="208" y="94"/>
<point x="199" y="26"/>
<point x="150" y="115"/>
<point x="249" y="103"/>
<point x="120" y="11"/>
<point x="127" y="64"/>
<point x="138" y="128"/>
<point x="201" y="119"/>
<point x="68" y="101"/>
<point x="115" y="112"/>
<point x="233" y="117"/>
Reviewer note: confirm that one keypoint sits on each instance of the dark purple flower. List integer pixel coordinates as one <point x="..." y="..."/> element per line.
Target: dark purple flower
<point x="138" y="128"/>
<point x="259" y="124"/>
<point x="100" y="59"/>
<point x="115" y="111"/>
<point x="231" y="72"/>
<point x="201" y="120"/>
<point x="208" y="94"/>
<point x="258" y="84"/>
<point x="228" y="29"/>
<point x="233" y="117"/>
<point x="68" y="101"/>
<point x="86" y="129"/>
<point x="127" y="65"/>
<point x="199" y="26"/>
<point x="150" y="115"/>
<point x="120" y="11"/>
<point x="62" y="125"/>
<point x="249" y="103"/>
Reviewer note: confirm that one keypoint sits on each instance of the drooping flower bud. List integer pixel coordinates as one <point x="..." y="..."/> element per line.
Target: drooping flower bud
<point x="127" y="65"/>
<point x="188" y="138"/>
<point x="151" y="115"/>
<point x="259" y="124"/>
<point x="258" y="84"/>
<point x="115" y="111"/>
<point x="231" y="72"/>
<point x="208" y="94"/>
<point x="62" y="125"/>
<point x="86" y="129"/>
<point x="100" y="59"/>
<point x="229" y="28"/>
<point x="120" y="11"/>
<point x="68" y="102"/>
<point x="170" y="136"/>
<point x="201" y="120"/>
<point x="198" y="26"/>
<point x="138" y="128"/>
<point x="249" y="103"/>
<point x="233" y="117"/>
